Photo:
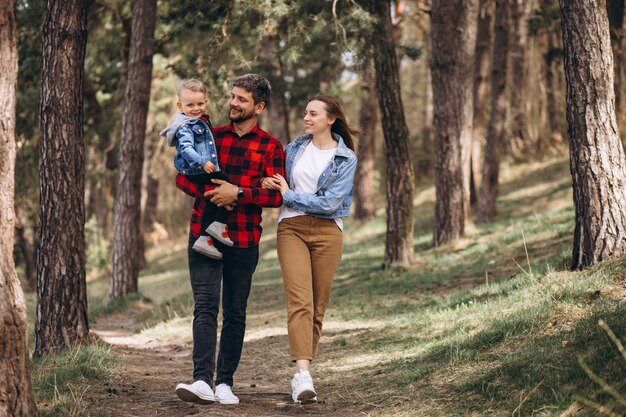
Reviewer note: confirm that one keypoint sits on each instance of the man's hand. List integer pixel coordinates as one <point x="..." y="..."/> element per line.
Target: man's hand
<point x="224" y="194"/>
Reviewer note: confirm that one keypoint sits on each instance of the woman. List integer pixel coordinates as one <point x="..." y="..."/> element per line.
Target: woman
<point x="320" y="168"/>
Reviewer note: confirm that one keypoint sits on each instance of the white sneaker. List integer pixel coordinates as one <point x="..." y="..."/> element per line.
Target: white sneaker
<point x="219" y="231"/>
<point x="224" y="395"/>
<point x="199" y="392"/>
<point x="302" y="390"/>
<point x="205" y="246"/>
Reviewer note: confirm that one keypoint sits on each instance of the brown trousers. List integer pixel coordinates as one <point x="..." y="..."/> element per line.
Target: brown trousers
<point x="309" y="251"/>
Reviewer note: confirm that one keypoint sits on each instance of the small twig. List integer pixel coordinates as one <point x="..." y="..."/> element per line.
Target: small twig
<point x="519" y="266"/>
<point x="526" y="250"/>
<point x="598" y="407"/>
<point x="614" y="338"/>
<point x="605" y="387"/>
<point x="519" y="407"/>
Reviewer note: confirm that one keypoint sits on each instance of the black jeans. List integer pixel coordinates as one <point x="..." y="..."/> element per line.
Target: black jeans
<point x="211" y="212"/>
<point x="235" y="271"/>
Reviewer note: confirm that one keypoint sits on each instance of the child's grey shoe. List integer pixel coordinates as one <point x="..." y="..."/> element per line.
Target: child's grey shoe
<point x="219" y="231"/>
<point x="205" y="246"/>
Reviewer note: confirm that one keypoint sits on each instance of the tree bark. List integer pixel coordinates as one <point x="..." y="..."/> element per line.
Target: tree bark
<point x="596" y="154"/>
<point x="16" y="393"/>
<point x="364" y="178"/>
<point x="126" y="229"/>
<point x="453" y="48"/>
<point x="520" y="12"/>
<point x="615" y="11"/>
<point x="495" y="134"/>
<point x="62" y="314"/>
<point x="399" y="237"/>
<point x="482" y="69"/>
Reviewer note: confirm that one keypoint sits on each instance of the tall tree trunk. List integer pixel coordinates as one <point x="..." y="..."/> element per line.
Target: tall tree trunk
<point x="453" y="48"/>
<point x="520" y="12"/>
<point x="482" y="70"/>
<point x="399" y="238"/>
<point x="278" y="110"/>
<point x="126" y="230"/>
<point x="596" y="154"/>
<point x="62" y="314"/>
<point x="16" y="392"/>
<point x="364" y="178"/>
<point x="426" y="160"/>
<point x="615" y="10"/>
<point x="27" y="249"/>
<point x="495" y="133"/>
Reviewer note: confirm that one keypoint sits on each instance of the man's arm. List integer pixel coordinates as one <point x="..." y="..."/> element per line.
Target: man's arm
<point x="264" y="197"/>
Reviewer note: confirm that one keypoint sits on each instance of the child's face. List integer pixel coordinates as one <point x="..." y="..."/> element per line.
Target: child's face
<point x="191" y="103"/>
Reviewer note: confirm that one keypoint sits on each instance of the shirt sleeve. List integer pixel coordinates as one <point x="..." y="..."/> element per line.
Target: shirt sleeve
<point x="261" y="196"/>
<point x="189" y="187"/>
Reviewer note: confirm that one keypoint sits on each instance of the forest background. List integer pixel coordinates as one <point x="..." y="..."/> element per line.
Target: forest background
<point x="447" y="95"/>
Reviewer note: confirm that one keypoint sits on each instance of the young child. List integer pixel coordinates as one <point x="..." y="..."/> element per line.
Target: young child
<point x="196" y="158"/>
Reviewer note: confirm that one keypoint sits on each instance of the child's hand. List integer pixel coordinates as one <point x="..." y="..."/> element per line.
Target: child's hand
<point x="209" y="167"/>
<point x="230" y="207"/>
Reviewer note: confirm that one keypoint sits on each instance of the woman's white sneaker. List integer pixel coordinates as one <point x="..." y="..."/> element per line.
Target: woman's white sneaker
<point x="199" y="392"/>
<point x="302" y="390"/>
<point x="224" y="395"/>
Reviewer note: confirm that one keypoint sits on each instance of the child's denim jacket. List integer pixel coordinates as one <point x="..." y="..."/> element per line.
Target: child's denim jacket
<point x="194" y="142"/>
<point x="334" y="188"/>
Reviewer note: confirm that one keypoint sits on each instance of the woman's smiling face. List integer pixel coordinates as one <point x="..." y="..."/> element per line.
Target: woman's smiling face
<point x="316" y="119"/>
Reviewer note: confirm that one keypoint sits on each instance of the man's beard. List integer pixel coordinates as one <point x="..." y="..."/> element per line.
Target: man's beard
<point x="242" y="116"/>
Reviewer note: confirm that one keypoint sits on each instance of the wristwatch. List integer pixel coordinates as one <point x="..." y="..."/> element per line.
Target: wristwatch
<point x="239" y="193"/>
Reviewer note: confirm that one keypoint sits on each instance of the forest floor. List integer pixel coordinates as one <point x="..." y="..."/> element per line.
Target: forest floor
<point x="490" y="325"/>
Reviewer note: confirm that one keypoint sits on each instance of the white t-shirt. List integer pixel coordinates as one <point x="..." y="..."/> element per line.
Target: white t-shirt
<point x="306" y="174"/>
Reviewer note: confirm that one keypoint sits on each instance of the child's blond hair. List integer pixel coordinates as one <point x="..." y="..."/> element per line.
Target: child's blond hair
<point x="190" y="84"/>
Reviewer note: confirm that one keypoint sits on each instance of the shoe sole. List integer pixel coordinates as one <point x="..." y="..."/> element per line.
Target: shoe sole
<point x="208" y="254"/>
<point x="306" y="397"/>
<point x="227" y="402"/>
<point x="192" y="397"/>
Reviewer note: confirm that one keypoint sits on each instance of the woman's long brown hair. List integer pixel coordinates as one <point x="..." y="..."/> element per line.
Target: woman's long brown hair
<point x="341" y="127"/>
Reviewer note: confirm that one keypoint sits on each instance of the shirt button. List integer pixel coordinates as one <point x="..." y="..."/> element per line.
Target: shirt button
<point x="213" y="155"/>
<point x="210" y="142"/>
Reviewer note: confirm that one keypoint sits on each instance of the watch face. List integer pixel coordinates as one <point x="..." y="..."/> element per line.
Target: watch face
<point x="240" y="194"/>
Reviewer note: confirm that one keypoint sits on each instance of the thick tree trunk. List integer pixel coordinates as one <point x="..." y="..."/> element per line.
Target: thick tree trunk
<point x="364" y="177"/>
<point x="482" y="70"/>
<point x="520" y="12"/>
<point x="278" y="110"/>
<point x="16" y="392"/>
<point x="453" y="48"/>
<point x="596" y="154"/>
<point x="62" y="314"/>
<point x="27" y="249"/>
<point x="126" y="229"/>
<point x="495" y="133"/>
<point x="615" y="10"/>
<point x="399" y="238"/>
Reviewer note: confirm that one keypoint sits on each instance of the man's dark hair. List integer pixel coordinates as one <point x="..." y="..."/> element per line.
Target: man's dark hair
<point x="259" y="87"/>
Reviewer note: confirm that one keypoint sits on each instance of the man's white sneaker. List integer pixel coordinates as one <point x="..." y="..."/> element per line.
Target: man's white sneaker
<point x="199" y="392"/>
<point x="302" y="390"/>
<point x="224" y="395"/>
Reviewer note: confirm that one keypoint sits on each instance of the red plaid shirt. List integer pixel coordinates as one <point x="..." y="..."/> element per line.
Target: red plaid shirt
<point x="246" y="160"/>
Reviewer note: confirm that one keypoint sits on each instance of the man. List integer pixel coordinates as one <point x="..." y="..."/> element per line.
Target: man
<point x="246" y="154"/>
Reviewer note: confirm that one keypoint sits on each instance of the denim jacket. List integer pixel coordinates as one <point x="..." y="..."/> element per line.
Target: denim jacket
<point x="194" y="144"/>
<point x="335" y="185"/>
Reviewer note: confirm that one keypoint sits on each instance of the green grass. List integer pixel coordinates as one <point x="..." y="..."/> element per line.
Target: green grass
<point x="491" y="325"/>
<point x="62" y="383"/>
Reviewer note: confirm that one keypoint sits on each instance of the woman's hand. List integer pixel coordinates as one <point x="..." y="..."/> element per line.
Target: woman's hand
<point x="280" y="183"/>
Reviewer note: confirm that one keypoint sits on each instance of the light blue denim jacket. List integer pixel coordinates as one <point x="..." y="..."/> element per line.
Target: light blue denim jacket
<point x="334" y="188"/>
<point x="194" y="144"/>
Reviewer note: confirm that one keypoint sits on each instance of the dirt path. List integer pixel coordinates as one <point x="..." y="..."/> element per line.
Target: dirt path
<point x="149" y="370"/>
